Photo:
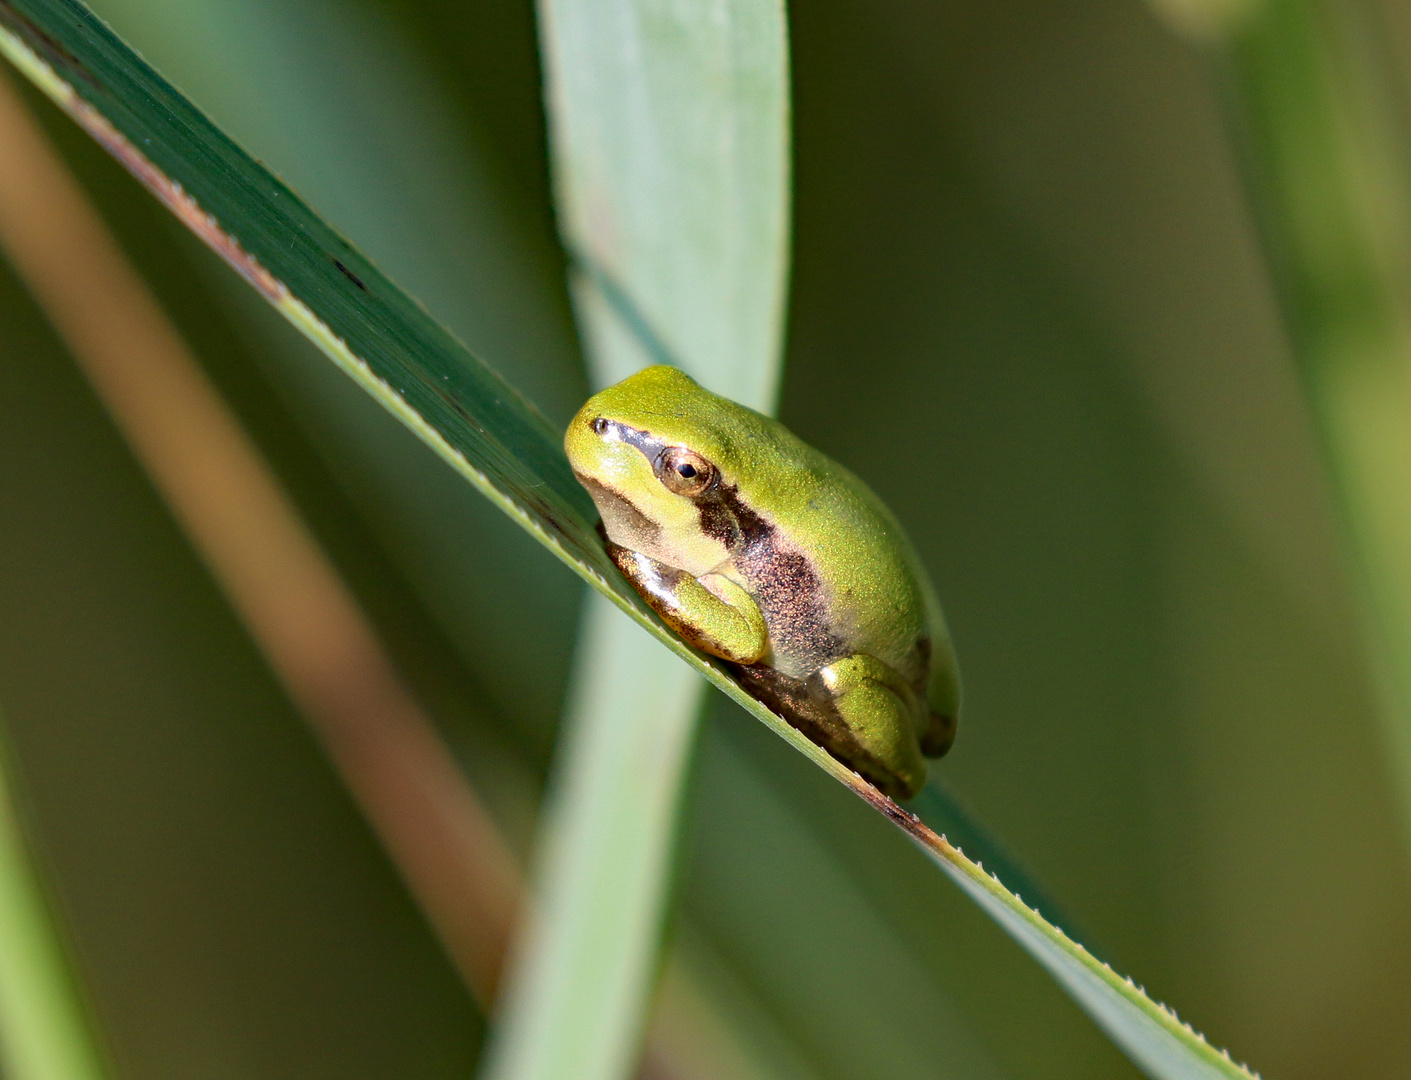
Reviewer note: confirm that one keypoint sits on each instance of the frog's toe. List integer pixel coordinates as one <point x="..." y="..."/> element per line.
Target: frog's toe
<point x="938" y="736"/>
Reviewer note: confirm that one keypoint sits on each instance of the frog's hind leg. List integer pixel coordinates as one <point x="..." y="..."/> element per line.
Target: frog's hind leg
<point x="809" y="705"/>
<point x="879" y="711"/>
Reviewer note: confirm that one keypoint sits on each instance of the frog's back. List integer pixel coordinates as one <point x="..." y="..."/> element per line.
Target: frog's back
<point x="880" y="595"/>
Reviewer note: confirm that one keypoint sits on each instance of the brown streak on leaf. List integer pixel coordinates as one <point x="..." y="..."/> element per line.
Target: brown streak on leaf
<point x="350" y="275"/>
<point x="175" y="198"/>
<point x="44" y="43"/>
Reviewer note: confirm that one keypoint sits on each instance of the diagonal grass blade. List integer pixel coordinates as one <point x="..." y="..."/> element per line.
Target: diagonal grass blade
<point x="471" y="417"/>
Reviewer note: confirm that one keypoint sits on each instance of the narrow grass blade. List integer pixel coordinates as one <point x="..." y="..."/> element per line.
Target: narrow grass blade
<point x="367" y="325"/>
<point x="44" y="1029"/>
<point x="1151" y="1034"/>
<point x="670" y="141"/>
<point x="1326" y="164"/>
<point x="386" y="342"/>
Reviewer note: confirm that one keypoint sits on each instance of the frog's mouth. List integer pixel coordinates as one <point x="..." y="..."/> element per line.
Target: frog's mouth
<point x="625" y="525"/>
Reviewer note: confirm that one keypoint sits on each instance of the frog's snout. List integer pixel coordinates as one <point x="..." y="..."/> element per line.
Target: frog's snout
<point x="583" y="440"/>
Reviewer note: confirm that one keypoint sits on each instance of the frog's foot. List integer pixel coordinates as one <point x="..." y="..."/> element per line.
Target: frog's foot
<point x="879" y="711"/>
<point x="808" y="705"/>
<point x="722" y="620"/>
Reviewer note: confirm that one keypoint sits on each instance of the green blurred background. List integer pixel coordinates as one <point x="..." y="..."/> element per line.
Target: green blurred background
<point x="1029" y="307"/>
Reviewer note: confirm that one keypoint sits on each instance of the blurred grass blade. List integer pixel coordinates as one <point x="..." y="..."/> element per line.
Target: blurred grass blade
<point x="44" y="1029"/>
<point x="277" y="578"/>
<point x="295" y="607"/>
<point x="670" y="135"/>
<point x="1326" y="167"/>
<point x="391" y="347"/>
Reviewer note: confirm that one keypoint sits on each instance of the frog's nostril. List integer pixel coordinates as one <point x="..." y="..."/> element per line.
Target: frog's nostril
<point x="599" y="426"/>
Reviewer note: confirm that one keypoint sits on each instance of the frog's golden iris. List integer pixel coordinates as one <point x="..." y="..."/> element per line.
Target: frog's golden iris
<point x="758" y="549"/>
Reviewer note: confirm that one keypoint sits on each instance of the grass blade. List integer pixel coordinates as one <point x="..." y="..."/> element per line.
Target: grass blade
<point x="368" y="326"/>
<point x="670" y="139"/>
<point x="388" y="344"/>
<point x="1326" y="168"/>
<point x="942" y="811"/>
<point x="44" y="1029"/>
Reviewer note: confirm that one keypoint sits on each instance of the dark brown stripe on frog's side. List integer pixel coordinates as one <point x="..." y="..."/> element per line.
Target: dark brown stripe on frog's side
<point x="807" y="705"/>
<point x="782" y="581"/>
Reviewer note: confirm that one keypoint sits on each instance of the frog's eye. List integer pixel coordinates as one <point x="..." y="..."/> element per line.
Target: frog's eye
<point x="600" y="426"/>
<point x="684" y="472"/>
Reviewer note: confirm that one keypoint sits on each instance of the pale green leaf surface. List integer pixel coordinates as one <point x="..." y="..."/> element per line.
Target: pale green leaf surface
<point x="389" y="345"/>
<point x="575" y="998"/>
<point x="669" y="128"/>
<point x="44" y="1029"/>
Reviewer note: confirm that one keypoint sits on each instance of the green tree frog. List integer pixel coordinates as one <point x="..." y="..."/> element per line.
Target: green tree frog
<point x="756" y="548"/>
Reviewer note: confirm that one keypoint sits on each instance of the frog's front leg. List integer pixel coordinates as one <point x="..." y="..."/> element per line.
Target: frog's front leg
<point x="880" y="711"/>
<point x="718" y="617"/>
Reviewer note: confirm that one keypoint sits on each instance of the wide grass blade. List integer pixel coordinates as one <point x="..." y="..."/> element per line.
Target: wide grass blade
<point x="44" y="1027"/>
<point x="470" y="416"/>
<point x="670" y="150"/>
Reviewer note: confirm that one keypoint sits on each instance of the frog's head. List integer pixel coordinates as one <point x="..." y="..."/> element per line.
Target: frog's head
<point x="655" y="452"/>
